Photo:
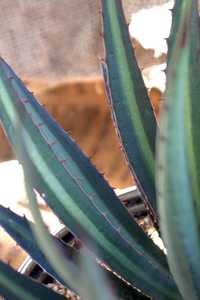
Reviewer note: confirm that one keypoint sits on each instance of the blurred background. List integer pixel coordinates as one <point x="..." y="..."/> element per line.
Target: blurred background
<point x="55" y="47"/>
<point x="53" y="39"/>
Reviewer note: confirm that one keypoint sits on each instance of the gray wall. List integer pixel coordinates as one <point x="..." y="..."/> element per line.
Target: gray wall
<point x="52" y="39"/>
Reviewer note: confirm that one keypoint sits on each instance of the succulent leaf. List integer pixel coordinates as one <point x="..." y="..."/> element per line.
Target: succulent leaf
<point x="78" y="194"/>
<point x="130" y="105"/>
<point x="15" y="286"/>
<point x="19" y="229"/>
<point x="55" y="256"/>
<point x="178" y="167"/>
<point x="176" y="12"/>
<point x="89" y="279"/>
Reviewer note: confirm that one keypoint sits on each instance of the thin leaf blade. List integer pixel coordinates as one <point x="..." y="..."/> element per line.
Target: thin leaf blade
<point x="77" y="193"/>
<point x="15" y="286"/>
<point x="19" y="229"/>
<point x="130" y="105"/>
<point x="178" y="180"/>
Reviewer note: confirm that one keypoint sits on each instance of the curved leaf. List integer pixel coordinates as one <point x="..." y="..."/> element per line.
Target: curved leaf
<point x="77" y="193"/>
<point x="178" y="169"/>
<point x="130" y="105"/>
<point x="15" y="286"/>
<point x="20" y="229"/>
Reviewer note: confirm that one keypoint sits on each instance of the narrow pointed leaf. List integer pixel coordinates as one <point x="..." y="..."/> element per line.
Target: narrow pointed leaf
<point x="64" y="267"/>
<point x="19" y="229"/>
<point x="129" y="101"/>
<point x="14" y="286"/>
<point x="99" y="288"/>
<point x="176" y="14"/>
<point x="178" y="169"/>
<point x="77" y="193"/>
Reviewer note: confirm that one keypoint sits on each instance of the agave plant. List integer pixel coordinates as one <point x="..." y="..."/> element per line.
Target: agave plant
<point x="57" y="170"/>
